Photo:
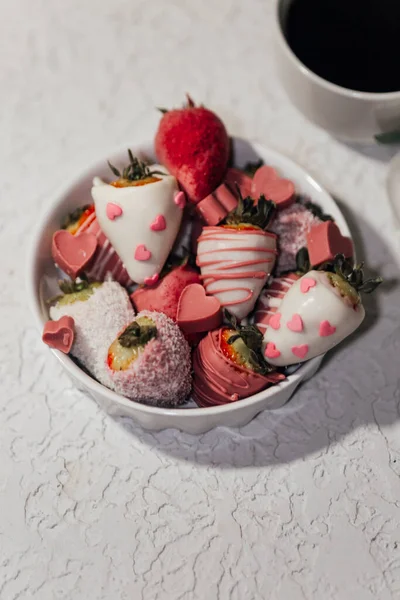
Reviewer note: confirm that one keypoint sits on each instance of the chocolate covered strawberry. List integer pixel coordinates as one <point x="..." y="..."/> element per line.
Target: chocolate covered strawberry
<point x="99" y="311"/>
<point x="193" y="144"/>
<point x="228" y="365"/>
<point x="319" y="311"/>
<point x="105" y="260"/>
<point x="149" y="361"/>
<point x="272" y="295"/>
<point x="140" y="213"/>
<point x="237" y="257"/>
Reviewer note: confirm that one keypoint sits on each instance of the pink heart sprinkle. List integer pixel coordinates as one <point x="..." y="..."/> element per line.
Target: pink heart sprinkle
<point x="141" y="253"/>
<point x="180" y="199"/>
<point x="235" y="397"/>
<point x="295" y="324"/>
<point x="275" y="321"/>
<point x="271" y="351"/>
<point x="159" y="223"/>
<point x="307" y="283"/>
<point x="113" y="211"/>
<point x="300" y="351"/>
<point x="326" y="329"/>
<point x="152" y="280"/>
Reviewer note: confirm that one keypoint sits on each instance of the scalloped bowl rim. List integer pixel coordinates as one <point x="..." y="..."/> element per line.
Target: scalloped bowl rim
<point x="305" y="371"/>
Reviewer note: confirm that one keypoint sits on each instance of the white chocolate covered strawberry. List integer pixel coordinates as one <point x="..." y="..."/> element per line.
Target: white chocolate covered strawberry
<point x="237" y="257"/>
<point x="140" y="213"/>
<point x="319" y="311"/>
<point x="276" y="289"/>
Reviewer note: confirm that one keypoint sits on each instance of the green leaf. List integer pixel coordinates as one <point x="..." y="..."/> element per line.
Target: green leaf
<point x="390" y="137"/>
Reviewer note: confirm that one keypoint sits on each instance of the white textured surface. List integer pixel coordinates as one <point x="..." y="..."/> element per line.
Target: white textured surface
<point x="301" y="503"/>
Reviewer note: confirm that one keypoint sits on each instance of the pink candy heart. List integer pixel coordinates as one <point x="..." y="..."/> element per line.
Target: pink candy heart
<point x="152" y="280"/>
<point x="141" y="253"/>
<point x="307" y="283"/>
<point x="326" y="329"/>
<point x="275" y="321"/>
<point x="73" y="253"/>
<point x="113" y="211"/>
<point x="295" y="324"/>
<point x="271" y="351"/>
<point x="180" y="199"/>
<point x="300" y="351"/>
<point x="159" y="223"/>
<point x="59" y="334"/>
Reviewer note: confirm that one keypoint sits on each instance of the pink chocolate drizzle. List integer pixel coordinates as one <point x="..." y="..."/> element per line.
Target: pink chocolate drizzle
<point x="271" y="298"/>
<point x="226" y="269"/>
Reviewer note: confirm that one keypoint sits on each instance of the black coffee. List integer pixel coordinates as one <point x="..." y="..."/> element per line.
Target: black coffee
<point x="353" y="43"/>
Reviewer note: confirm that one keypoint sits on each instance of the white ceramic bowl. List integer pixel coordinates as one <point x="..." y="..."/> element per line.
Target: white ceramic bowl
<point x="193" y="420"/>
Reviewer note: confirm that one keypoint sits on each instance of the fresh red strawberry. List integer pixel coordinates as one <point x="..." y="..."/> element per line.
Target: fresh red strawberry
<point x="193" y="144"/>
<point x="164" y="296"/>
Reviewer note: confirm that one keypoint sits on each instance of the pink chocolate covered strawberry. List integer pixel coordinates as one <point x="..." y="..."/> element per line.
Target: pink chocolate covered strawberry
<point x="193" y="144"/>
<point x="105" y="260"/>
<point x="228" y="365"/>
<point x="237" y="257"/>
<point x="319" y="311"/>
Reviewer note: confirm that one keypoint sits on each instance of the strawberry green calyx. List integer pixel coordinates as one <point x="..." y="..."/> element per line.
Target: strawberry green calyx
<point x="137" y="170"/>
<point x="138" y="333"/>
<point x="249" y="212"/>
<point x="247" y="340"/>
<point x="350" y="280"/>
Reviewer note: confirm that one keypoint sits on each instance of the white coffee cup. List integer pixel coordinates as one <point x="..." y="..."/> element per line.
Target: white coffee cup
<point x="347" y="114"/>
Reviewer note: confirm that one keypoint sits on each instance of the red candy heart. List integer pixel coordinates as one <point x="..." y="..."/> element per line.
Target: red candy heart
<point x="196" y="311"/>
<point x="295" y="324"/>
<point x="73" y="253"/>
<point x="271" y="351"/>
<point x="159" y="223"/>
<point x="326" y="329"/>
<point x="59" y="334"/>
<point x="267" y="181"/>
<point x="275" y="321"/>
<point x="300" y="351"/>
<point x="306" y="284"/>
<point x="113" y="211"/>
<point x="141" y="253"/>
<point x="324" y="241"/>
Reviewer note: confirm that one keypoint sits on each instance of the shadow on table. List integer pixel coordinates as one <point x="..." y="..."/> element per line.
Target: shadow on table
<point x="356" y="386"/>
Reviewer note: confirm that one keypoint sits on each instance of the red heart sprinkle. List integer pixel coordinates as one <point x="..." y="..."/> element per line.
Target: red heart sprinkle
<point x="275" y="321"/>
<point x="113" y="211"/>
<point x="326" y="329"/>
<point x="300" y="351"/>
<point x="271" y="351"/>
<point x="159" y="223"/>
<point x="295" y="324"/>
<point x="180" y="199"/>
<point x="141" y="253"/>
<point x="307" y="283"/>
<point x="73" y="253"/>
